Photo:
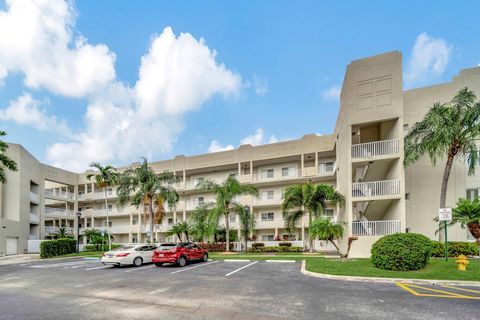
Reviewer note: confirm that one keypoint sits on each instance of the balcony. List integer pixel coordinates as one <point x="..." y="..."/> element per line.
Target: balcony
<point x="50" y="229"/>
<point x="326" y="169"/>
<point x="375" y="149"/>
<point x="58" y="213"/>
<point x="376" y="188"/>
<point x="114" y="229"/>
<point x="275" y="201"/>
<point x="34" y="218"/>
<point x="375" y="228"/>
<point x="276" y="175"/>
<point x="59" y="194"/>
<point x="111" y="212"/>
<point x="98" y="195"/>
<point x="34" y="197"/>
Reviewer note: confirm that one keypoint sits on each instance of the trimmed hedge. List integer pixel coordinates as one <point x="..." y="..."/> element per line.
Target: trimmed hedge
<point x="401" y="252"/>
<point x="94" y="247"/>
<point x="285" y="244"/>
<point x="215" y="247"/>
<point x="275" y="249"/>
<point x="455" y="248"/>
<point x="52" y="248"/>
<point x="258" y="244"/>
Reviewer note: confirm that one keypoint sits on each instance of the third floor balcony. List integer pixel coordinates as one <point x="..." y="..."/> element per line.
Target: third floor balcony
<point x="376" y="149"/>
<point x="384" y="188"/>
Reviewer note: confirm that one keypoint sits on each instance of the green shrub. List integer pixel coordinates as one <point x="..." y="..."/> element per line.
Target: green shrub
<point x="258" y="244"/>
<point x="401" y="252"/>
<point x="275" y="249"/>
<point x="94" y="247"/>
<point x="285" y="244"/>
<point x="454" y="249"/>
<point x="215" y="247"/>
<point x="52" y="248"/>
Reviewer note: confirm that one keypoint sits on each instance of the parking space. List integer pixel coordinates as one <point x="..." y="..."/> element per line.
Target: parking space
<point x="239" y="289"/>
<point x="441" y="291"/>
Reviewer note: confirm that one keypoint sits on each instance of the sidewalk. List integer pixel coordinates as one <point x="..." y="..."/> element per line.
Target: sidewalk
<point x="20" y="258"/>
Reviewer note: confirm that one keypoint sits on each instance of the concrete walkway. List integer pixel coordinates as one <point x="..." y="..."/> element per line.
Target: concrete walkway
<point x="20" y="258"/>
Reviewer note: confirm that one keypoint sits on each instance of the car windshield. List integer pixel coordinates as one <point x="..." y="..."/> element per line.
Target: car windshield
<point x="167" y="246"/>
<point x="123" y="248"/>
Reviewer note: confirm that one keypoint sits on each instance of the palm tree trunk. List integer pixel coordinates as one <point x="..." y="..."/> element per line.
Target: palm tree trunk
<point x="150" y="215"/>
<point x="227" y="229"/>
<point x="310" y="239"/>
<point x="474" y="228"/>
<point x="338" y="250"/>
<point x="443" y="189"/>
<point x="108" y="221"/>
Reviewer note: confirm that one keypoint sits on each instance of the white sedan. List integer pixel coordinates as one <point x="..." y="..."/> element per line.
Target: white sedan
<point x="129" y="255"/>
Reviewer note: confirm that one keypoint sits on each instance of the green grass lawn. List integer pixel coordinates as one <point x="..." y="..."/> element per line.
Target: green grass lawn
<point x="90" y="254"/>
<point x="437" y="269"/>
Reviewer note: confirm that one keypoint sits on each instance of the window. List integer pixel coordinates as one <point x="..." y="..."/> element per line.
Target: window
<point x="267" y="195"/>
<point x="201" y="200"/>
<point x="170" y="220"/>
<point x="109" y="206"/>
<point x="290" y="237"/>
<point x="105" y="223"/>
<point x="405" y="127"/>
<point x="109" y="192"/>
<point x="329" y="213"/>
<point x="268" y="173"/>
<point x="198" y="180"/>
<point x="268" y="216"/>
<point x="268" y="237"/>
<point x="89" y="224"/>
<point x="286" y="172"/>
<point x="134" y="221"/>
<point x="472" y="194"/>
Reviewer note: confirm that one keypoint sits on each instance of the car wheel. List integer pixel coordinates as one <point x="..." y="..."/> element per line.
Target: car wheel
<point x="205" y="257"/>
<point x="137" y="262"/>
<point x="182" y="261"/>
<point x="158" y="264"/>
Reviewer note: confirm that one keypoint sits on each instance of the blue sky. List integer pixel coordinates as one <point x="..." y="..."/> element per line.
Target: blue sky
<point x="266" y="71"/>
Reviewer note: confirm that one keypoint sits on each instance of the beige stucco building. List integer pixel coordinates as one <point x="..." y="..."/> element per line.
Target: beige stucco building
<point x="363" y="159"/>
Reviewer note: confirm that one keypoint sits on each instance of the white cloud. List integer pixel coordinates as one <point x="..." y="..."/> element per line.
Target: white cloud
<point x="216" y="146"/>
<point x="332" y="93"/>
<point x="37" y="39"/>
<point x="176" y="76"/>
<point x="428" y="60"/>
<point x="26" y="111"/>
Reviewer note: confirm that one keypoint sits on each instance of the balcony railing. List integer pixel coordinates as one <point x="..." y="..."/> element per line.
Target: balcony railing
<point x="50" y="229"/>
<point x="293" y="173"/>
<point x="375" y="228"/>
<point x="58" y="213"/>
<point x="34" y="197"/>
<point x="267" y="201"/>
<point x="376" y="188"/>
<point x="34" y="217"/>
<point x="55" y="193"/>
<point x="376" y="148"/>
<point x="326" y="168"/>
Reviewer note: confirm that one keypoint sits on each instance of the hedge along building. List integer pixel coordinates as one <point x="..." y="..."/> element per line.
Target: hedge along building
<point x="363" y="159"/>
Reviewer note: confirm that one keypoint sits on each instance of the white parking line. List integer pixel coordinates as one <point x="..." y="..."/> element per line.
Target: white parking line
<point x="248" y="265"/>
<point x="198" y="266"/>
<point x="102" y="267"/>
<point x="140" y="269"/>
<point x="56" y="265"/>
<point x="281" y="261"/>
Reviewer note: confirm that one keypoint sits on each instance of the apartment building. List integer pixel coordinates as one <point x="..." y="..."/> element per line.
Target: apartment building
<point x="362" y="159"/>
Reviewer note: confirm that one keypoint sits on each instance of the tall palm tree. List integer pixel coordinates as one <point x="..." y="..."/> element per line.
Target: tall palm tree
<point x="104" y="177"/>
<point x="308" y="199"/>
<point x="448" y="129"/>
<point x="199" y="220"/>
<point x="225" y="194"/>
<point x="143" y="186"/>
<point x="5" y="162"/>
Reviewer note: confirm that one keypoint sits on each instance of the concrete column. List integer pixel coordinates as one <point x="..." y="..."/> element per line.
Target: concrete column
<point x="184" y="182"/>
<point x="184" y="215"/>
<point x="276" y="232"/>
<point x="130" y="237"/>
<point x="316" y="163"/>
<point x="303" y="233"/>
<point x="302" y="165"/>
<point x="239" y="232"/>
<point x="239" y="169"/>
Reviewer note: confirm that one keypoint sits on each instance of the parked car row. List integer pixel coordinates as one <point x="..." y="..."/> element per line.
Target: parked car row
<point x="180" y="253"/>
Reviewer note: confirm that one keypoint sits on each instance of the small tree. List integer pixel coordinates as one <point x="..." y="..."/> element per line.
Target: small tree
<point x="5" y="162"/>
<point x="324" y="229"/>
<point x="467" y="213"/>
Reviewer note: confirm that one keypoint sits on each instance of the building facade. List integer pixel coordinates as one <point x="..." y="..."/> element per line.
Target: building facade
<point x="362" y="159"/>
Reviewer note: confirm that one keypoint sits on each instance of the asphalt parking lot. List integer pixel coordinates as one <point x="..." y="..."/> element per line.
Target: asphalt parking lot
<point x="85" y="289"/>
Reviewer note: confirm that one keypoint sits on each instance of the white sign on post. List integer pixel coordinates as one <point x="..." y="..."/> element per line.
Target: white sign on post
<point x="445" y="214"/>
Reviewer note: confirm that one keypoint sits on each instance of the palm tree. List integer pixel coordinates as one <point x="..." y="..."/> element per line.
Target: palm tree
<point x="199" y="220"/>
<point x="5" y="162"/>
<point x="467" y="213"/>
<point x="448" y="129"/>
<point x="180" y="229"/>
<point x="225" y="194"/>
<point x="62" y="233"/>
<point x="310" y="199"/>
<point x="105" y="177"/>
<point x="247" y="220"/>
<point x="143" y="186"/>
<point x="324" y="229"/>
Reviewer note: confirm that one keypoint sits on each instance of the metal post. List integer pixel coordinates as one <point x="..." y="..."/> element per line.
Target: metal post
<point x="247" y="215"/>
<point x="79" y="214"/>
<point x="446" y="241"/>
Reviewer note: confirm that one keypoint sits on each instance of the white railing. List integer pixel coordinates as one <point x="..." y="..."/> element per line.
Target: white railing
<point x="59" y="213"/>
<point x="50" y="229"/>
<point x="55" y="193"/>
<point x="267" y="201"/>
<point x="376" y="188"/>
<point x="111" y="212"/>
<point x="326" y="168"/>
<point x="115" y="229"/>
<point x="377" y="148"/>
<point x="97" y="195"/>
<point x="293" y="173"/>
<point x="375" y="228"/>
<point x="34" y="197"/>
<point x="34" y="217"/>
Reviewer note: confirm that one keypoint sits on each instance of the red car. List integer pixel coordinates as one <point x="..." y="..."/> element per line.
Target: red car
<point x="180" y="253"/>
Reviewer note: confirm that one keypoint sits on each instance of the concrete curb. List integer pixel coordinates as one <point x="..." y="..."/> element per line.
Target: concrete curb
<point x="388" y="280"/>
